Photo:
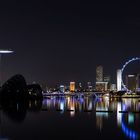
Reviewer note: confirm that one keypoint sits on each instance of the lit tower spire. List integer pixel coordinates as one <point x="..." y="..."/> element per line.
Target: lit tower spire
<point x="3" y="51"/>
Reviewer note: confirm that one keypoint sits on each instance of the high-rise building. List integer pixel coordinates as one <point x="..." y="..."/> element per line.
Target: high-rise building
<point x="72" y="86"/>
<point x="113" y="87"/>
<point x="132" y="82"/>
<point x="79" y="88"/>
<point x="101" y="86"/>
<point x="99" y="74"/>
<point x="62" y="88"/>
<point x="119" y="80"/>
<point x="107" y="79"/>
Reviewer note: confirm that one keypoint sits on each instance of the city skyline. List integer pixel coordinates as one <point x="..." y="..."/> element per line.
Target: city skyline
<point x="69" y="70"/>
<point x="58" y="42"/>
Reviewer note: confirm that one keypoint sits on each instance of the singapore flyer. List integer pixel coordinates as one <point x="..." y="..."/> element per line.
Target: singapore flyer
<point x="124" y="67"/>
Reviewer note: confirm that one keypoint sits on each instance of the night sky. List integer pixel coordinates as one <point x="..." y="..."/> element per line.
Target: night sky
<point x="61" y="41"/>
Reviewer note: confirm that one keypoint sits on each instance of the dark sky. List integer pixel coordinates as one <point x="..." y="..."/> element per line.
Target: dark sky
<point x="62" y="41"/>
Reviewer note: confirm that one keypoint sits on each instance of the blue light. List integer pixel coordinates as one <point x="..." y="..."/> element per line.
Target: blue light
<point x="81" y="100"/>
<point x="129" y="133"/>
<point x="62" y="106"/>
<point x="124" y="107"/>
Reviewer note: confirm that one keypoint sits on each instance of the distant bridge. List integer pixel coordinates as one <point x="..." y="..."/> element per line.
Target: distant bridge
<point x="95" y="94"/>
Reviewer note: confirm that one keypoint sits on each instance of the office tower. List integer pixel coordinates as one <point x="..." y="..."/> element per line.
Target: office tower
<point x="72" y="86"/>
<point x="62" y="88"/>
<point x="107" y="79"/>
<point x="119" y="80"/>
<point x="99" y="74"/>
<point x="132" y="82"/>
<point x="101" y="86"/>
<point x="113" y="87"/>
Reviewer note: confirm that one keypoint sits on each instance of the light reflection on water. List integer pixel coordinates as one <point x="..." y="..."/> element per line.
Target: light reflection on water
<point x="124" y="120"/>
<point x="101" y="111"/>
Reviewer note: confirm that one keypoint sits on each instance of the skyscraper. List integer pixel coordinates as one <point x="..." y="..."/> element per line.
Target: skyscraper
<point x="107" y="79"/>
<point x="119" y="80"/>
<point x="100" y="84"/>
<point x="62" y="88"/>
<point x="72" y="86"/>
<point x="132" y="82"/>
<point x="113" y="87"/>
<point x="99" y="74"/>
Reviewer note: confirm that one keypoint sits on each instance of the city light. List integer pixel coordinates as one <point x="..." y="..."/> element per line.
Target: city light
<point x="2" y="51"/>
<point x="72" y="86"/>
<point x="6" y="51"/>
<point x="119" y="80"/>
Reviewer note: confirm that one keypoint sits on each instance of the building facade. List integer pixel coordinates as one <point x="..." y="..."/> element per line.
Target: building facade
<point x="99" y="74"/>
<point x="119" y="80"/>
<point x="133" y="82"/>
<point x="72" y="86"/>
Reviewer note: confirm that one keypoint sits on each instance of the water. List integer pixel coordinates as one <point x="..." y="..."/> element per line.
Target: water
<point x="71" y="118"/>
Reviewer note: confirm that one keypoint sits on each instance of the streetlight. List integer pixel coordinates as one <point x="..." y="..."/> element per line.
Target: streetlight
<point x="3" y="51"/>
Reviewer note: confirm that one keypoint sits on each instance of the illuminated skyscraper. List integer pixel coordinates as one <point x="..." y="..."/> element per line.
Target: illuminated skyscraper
<point x="72" y="86"/>
<point x="100" y="84"/>
<point x="107" y="79"/>
<point x="113" y="87"/>
<point x="132" y="82"/>
<point x="119" y="80"/>
<point x="99" y="74"/>
<point x="62" y="88"/>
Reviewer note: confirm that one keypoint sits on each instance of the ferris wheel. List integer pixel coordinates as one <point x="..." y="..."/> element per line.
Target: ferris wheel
<point x="124" y="67"/>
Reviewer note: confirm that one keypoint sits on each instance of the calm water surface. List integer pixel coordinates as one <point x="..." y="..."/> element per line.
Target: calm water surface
<point x="71" y="118"/>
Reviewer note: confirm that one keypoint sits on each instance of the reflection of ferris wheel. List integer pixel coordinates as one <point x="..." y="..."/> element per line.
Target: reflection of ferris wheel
<point x="123" y="68"/>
